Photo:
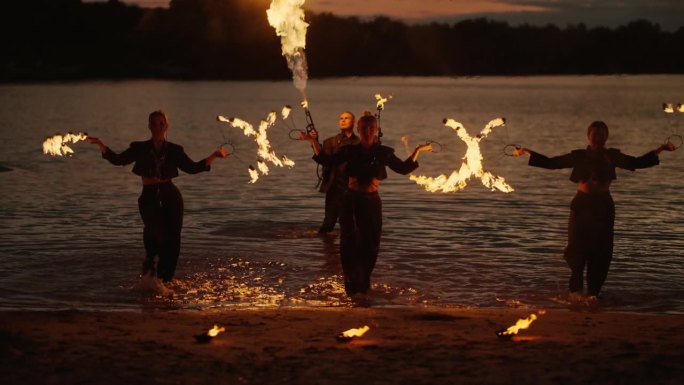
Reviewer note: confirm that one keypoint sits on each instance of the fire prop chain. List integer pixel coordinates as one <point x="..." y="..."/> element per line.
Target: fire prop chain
<point x="470" y="167"/>
<point x="56" y="145"/>
<point x="264" y="151"/>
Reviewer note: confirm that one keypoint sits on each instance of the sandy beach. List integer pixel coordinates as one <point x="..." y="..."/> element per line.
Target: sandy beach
<point x="299" y="346"/>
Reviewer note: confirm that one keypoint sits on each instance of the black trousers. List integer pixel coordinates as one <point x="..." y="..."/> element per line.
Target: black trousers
<point x="590" y="240"/>
<point x="333" y="203"/>
<point x="361" y="227"/>
<point x="161" y="209"/>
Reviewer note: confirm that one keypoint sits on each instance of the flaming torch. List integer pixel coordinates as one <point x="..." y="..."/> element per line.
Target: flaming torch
<point x="350" y="334"/>
<point x="522" y="323"/>
<point x="205" y="338"/>
<point x="471" y="166"/>
<point x="671" y="108"/>
<point x="56" y="145"/>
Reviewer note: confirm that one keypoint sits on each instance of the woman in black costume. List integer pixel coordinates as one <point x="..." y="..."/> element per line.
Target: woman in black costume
<point x="361" y="212"/>
<point x="592" y="211"/>
<point x="161" y="205"/>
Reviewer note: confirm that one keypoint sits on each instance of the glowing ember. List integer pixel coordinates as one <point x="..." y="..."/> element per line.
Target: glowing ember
<point x="522" y="323"/>
<point x="471" y="166"/>
<point x="287" y="18"/>
<point x="381" y="101"/>
<point x="56" y="145"/>
<point x="264" y="151"/>
<point x="352" y="333"/>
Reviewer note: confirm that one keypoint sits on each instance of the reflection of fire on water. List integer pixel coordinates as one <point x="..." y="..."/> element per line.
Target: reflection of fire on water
<point x="264" y="151"/>
<point x="471" y="166"/>
<point x="56" y="145"/>
<point x="522" y="323"/>
<point x="287" y="18"/>
<point x="209" y="335"/>
<point x="350" y="334"/>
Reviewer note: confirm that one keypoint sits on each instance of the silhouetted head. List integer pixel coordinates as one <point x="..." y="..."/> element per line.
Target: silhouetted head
<point x="158" y="124"/>
<point x="597" y="134"/>
<point x="367" y="127"/>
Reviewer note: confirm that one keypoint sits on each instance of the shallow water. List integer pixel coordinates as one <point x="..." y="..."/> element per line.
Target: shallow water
<point x="70" y="233"/>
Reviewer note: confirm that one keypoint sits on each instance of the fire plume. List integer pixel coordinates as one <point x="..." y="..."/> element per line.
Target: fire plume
<point x="287" y="18"/>
<point x="264" y="151"/>
<point x="671" y="108"/>
<point x="471" y="165"/>
<point x="56" y="145"/>
<point x="380" y="105"/>
<point x="215" y="331"/>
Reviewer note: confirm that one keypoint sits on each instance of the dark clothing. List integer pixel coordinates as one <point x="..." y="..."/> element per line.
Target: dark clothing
<point x="590" y="165"/>
<point x="161" y="209"/>
<point x="361" y="227"/>
<point x="334" y="182"/>
<point x="590" y="240"/>
<point x="163" y="164"/>
<point x="361" y="214"/>
<point x="160" y="205"/>
<point x="592" y="215"/>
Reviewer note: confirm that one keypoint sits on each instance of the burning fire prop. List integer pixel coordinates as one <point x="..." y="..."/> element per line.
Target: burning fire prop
<point x="205" y="338"/>
<point x="287" y="18"/>
<point x="471" y="166"/>
<point x="56" y="145"/>
<point x="522" y="323"/>
<point x="350" y="334"/>
<point x="264" y="152"/>
<point x="671" y="108"/>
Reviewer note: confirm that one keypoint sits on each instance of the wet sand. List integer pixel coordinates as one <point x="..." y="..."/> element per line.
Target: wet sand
<point x="298" y="346"/>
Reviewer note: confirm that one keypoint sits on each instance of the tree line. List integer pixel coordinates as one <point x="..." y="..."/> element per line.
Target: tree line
<point x="44" y="40"/>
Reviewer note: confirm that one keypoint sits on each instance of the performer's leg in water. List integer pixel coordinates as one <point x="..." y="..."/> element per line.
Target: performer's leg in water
<point x="149" y="206"/>
<point x="172" y="213"/>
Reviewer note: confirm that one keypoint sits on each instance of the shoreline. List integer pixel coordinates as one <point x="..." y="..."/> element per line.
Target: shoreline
<point x="298" y="345"/>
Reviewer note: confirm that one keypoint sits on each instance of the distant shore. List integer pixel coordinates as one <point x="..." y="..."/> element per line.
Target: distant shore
<point x="298" y="346"/>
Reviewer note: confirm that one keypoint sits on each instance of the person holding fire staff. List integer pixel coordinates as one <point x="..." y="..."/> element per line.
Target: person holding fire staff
<point x="334" y="182"/>
<point x="161" y="205"/>
<point x="592" y="210"/>
<point x="361" y="211"/>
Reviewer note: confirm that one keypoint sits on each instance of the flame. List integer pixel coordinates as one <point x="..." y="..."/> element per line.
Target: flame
<point x="381" y="101"/>
<point x="287" y="18"/>
<point x="56" y="145"/>
<point x="522" y="323"/>
<point x="671" y="108"/>
<point x="264" y="151"/>
<point x="471" y="166"/>
<point x="305" y="104"/>
<point x="285" y="112"/>
<point x="215" y="331"/>
<point x="358" y="332"/>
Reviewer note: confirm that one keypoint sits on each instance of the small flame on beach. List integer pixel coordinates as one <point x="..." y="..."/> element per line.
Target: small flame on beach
<point x="264" y="151"/>
<point x="56" y="145"/>
<point x="215" y="331"/>
<point x="522" y="323"/>
<point x="471" y="165"/>
<point x="353" y="333"/>
<point x="287" y="18"/>
<point x="671" y="108"/>
<point x="381" y="101"/>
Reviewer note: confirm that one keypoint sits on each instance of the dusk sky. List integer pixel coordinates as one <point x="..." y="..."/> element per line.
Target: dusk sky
<point x="668" y="13"/>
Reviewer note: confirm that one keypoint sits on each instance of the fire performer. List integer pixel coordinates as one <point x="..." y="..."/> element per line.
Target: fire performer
<point x="161" y="205"/>
<point x="361" y="211"/>
<point x="334" y="181"/>
<point x="592" y="211"/>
